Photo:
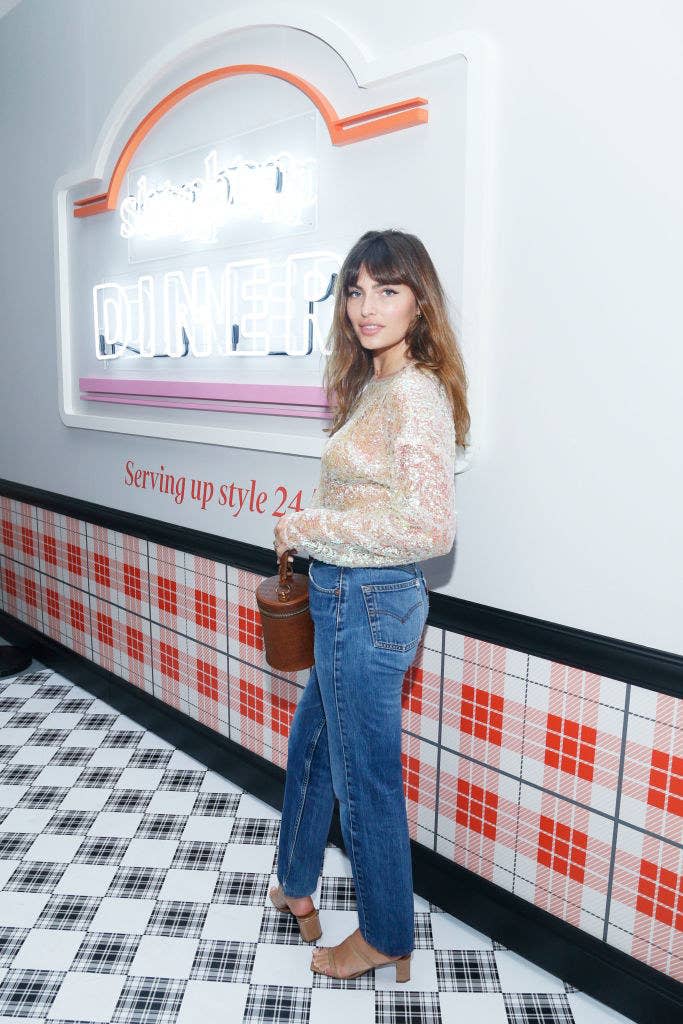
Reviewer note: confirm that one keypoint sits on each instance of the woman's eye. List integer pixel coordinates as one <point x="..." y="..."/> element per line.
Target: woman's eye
<point x="354" y="293"/>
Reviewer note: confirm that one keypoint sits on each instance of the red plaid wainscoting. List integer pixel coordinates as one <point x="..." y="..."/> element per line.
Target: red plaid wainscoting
<point x="561" y="786"/>
<point x="118" y="569"/>
<point x="261" y="709"/>
<point x="422" y="688"/>
<point x="420" y="760"/>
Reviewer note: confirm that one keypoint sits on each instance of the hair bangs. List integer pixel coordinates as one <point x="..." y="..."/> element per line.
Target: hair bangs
<point x="379" y="261"/>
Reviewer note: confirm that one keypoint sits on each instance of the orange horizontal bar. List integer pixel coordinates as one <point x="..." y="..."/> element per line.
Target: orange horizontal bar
<point x="90" y="199"/>
<point x="382" y="126"/>
<point x="391" y="108"/>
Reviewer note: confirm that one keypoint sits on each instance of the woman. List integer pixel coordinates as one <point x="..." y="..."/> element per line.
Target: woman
<point x="385" y="501"/>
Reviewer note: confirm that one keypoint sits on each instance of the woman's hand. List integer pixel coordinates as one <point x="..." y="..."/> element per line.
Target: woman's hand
<point x="279" y="542"/>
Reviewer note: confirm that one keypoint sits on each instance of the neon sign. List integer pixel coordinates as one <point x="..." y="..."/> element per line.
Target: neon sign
<point x="275" y="191"/>
<point x="251" y="307"/>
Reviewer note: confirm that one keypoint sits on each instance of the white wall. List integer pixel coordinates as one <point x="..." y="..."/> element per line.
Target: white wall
<point x="572" y="512"/>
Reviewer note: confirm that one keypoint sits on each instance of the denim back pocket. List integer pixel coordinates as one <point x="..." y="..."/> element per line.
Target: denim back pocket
<point x="397" y="613"/>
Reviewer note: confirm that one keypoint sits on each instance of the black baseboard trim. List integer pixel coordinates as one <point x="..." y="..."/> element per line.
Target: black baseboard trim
<point x="631" y="663"/>
<point x="602" y="971"/>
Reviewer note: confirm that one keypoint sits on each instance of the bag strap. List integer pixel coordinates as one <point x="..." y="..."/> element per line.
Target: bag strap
<point x="284" y="588"/>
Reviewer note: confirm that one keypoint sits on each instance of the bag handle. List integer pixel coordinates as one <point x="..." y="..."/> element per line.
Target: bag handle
<point x="284" y="588"/>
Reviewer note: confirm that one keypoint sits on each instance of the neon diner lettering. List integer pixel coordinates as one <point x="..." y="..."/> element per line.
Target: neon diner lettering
<point x="251" y="307"/>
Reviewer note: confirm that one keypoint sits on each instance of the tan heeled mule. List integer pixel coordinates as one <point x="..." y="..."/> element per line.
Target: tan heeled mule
<point x="309" y="924"/>
<point x="402" y="962"/>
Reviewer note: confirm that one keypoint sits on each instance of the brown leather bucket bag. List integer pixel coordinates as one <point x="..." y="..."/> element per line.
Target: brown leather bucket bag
<point x="285" y="618"/>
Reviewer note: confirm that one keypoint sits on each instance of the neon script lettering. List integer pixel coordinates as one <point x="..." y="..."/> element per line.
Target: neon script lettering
<point x="276" y="191"/>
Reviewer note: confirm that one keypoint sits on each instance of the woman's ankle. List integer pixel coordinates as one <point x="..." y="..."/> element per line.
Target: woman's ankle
<point x="374" y="950"/>
<point x="299" y="901"/>
<point x="290" y="897"/>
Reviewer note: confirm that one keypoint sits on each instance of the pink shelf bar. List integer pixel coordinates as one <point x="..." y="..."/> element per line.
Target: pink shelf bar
<point x="262" y="399"/>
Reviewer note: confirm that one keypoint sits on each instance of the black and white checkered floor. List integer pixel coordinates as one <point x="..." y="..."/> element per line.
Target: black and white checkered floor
<point x="134" y="888"/>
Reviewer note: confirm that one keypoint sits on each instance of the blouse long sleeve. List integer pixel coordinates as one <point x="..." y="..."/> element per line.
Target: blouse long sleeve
<point x="387" y="493"/>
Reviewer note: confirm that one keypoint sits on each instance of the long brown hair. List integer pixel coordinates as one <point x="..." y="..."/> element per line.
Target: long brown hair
<point x="394" y="257"/>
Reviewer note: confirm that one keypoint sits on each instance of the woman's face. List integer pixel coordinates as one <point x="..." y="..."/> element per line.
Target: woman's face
<point x="380" y="314"/>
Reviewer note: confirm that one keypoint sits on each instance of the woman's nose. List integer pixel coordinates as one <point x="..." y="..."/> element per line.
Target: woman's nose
<point x="367" y="307"/>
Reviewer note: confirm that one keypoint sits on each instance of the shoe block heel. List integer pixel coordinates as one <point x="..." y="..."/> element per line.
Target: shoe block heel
<point x="277" y="899"/>
<point x="309" y="926"/>
<point x="403" y="968"/>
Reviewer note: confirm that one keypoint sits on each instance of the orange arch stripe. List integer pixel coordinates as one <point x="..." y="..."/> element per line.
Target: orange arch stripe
<point x="367" y="125"/>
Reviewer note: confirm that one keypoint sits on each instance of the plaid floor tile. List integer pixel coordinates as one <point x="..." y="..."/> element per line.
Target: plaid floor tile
<point x="277" y="1004"/>
<point x="407" y="1007"/>
<point x="121" y="738"/>
<point x="12" y="703"/>
<point x="99" y="778"/>
<point x="29" y="993"/>
<point x="162" y="826"/>
<point x="68" y="912"/>
<point x="337" y="894"/>
<point x="224" y="961"/>
<point x="72" y="757"/>
<point x="74" y="704"/>
<point x="423" y="931"/>
<point x="14" y="845"/>
<point x="150" y="758"/>
<point x="466" y="970"/>
<point x="128" y="800"/>
<point x="11" y="941"/>
<point x="70" y="823"/>
<point x="149" y="1001"/>
<point x="19" y="774"/>
<point x="137" y="882"/>
<point x="34" y="676"/>
<point x="259" y="831"/>
<point x="101" y="850"/>
<point x="35" y="876"/>
<point x="216" y="805"/>
<point x="182" y="781"/>
<point x="178" y="919"/>
<point x="279" y="928"/>
<point x="61" y="690"/>
<point x="199" y="856"/>
<point x="49" y="737"/>
<point x="538" y="1008"/>
<point x="106" y="953"/>
<point x="27" y="718"/>
<point x="43" y="796"/>
<point x="97" y="721"/>
<point x="241" y="888"/>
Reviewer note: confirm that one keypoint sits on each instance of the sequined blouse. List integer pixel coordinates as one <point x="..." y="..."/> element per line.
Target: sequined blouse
<point x="387" y="478"/>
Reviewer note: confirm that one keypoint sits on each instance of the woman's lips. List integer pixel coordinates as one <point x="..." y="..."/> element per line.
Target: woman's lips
<point x="370" y="328"/>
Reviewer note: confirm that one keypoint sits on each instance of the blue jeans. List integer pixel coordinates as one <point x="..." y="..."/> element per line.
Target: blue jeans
<point x="345" y="742"/>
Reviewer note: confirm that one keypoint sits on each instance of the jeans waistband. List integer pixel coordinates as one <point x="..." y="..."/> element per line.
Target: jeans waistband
<point x="410" y="566"/>
<point x="327" y="575"/>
